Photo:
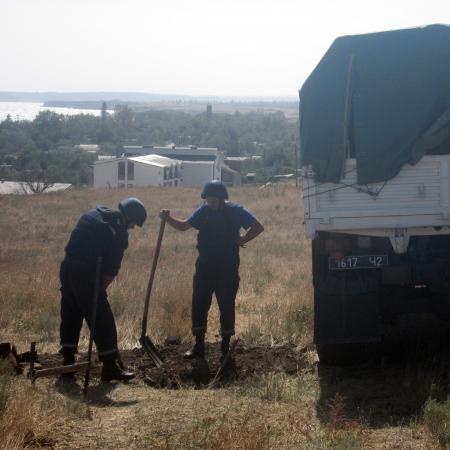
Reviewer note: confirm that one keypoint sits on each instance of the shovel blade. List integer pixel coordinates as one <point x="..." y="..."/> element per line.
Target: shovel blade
<point x="151" y="350"/>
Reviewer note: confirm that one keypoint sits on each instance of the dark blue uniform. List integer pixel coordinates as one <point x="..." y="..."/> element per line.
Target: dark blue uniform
<point x="99" y="232"/>
<point x="217" y="266"/>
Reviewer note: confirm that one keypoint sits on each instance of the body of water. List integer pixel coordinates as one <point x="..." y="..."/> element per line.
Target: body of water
<point x="28" y="111"/>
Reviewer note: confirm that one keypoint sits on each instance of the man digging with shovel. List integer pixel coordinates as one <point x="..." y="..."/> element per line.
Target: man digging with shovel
<point x="217" y="268"/>
<point x="100" y="232"/>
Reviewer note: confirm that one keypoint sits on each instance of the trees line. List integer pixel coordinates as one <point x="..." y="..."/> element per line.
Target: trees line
<point x="46" y="147"/>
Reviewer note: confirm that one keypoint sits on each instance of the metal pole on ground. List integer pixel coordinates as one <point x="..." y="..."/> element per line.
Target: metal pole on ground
<point x="32" y="361"/>
<point x="98" y="270"/>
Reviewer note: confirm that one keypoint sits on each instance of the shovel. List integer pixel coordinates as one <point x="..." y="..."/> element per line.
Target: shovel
<point x="144" y="340"/>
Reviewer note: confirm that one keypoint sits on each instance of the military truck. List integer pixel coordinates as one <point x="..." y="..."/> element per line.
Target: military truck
<point x="375" y="157"/>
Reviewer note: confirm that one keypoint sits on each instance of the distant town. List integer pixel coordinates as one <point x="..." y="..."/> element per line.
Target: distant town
<point x="178" y="141"/>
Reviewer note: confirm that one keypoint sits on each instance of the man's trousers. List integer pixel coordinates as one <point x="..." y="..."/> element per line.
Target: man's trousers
<point x="77" y="291"/>
<point x="221" y="280"/>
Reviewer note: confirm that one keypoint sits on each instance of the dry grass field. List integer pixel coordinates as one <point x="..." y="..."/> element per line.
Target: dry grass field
<point x="287" y="401"/>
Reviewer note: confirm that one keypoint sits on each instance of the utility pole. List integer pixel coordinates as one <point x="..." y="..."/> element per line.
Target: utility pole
<point x="296" y="164"/>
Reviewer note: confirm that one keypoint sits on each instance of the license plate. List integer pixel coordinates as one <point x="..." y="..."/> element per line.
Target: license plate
<point x="358" y="262"/>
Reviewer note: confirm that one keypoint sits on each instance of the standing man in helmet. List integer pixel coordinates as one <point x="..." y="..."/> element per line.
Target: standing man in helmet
<point x="99" y="232"/>
<point x="217" y="268"/>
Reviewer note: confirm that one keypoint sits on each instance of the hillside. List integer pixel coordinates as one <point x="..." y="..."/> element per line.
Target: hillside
<point x="278" y="396"/>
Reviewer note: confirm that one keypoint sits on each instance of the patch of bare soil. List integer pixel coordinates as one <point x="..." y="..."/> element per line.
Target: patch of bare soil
<point x="178" y="373"/>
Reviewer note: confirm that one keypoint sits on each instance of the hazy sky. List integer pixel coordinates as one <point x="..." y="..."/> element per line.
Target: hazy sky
<point x="195" y="47"/>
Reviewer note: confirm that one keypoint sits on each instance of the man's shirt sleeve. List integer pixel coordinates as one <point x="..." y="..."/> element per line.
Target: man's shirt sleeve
<point x="246" y="218"/>
<point x="195" y="218"/>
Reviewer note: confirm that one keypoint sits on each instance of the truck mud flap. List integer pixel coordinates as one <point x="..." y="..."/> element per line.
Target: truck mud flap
<point x="346" y="310"/>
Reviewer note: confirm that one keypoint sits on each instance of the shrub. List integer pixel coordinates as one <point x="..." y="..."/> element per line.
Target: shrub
<point x="436" y="416"/>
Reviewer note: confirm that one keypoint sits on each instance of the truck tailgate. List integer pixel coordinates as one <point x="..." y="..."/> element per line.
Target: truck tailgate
<point x="419" y="196"/>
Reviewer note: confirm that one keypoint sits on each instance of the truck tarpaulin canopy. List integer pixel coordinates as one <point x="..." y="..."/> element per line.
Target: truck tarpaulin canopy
<point x="383" y="98"/>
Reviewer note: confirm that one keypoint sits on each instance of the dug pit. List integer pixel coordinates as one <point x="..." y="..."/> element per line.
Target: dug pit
<point x="177" y="372"/>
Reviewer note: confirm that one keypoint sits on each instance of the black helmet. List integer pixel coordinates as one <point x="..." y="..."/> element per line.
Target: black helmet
<point x="133" y="210"/>
<point x="215" y="188"/>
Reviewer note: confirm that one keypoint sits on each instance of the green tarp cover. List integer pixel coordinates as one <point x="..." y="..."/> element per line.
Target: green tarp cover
<point x="383" y="98"/>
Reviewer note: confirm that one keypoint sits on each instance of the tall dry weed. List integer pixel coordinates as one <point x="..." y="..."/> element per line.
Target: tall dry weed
<point x="278" y="387"/>
<point x="342" y="433"/>
<point x="225" y="432"/>
<point x="31" y="417"/>
<point x="436" y="416"/>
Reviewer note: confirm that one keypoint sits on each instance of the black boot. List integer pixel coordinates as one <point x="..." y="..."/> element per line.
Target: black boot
<point x="112" y="371"/>
<point x="69" y="359"/>
<point x="198" y="350"/>
<point x="120" y="362"/>
<point x="224" y="347"/>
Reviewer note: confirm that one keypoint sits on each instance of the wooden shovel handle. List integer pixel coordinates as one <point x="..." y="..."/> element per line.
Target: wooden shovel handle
<point x="152" y="276"/>
<point x="59" y="370"/>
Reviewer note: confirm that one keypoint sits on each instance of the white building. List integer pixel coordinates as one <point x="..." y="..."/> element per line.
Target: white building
<point x="143" y="171"/>
<point x="185" y="154"/>
<point x="197" y="173"/>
